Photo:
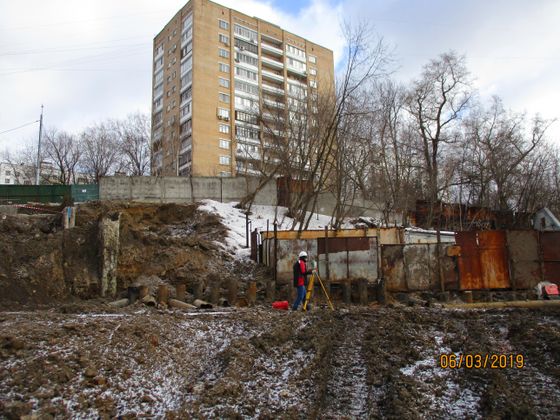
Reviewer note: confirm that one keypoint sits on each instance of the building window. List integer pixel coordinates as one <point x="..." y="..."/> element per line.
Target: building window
<point x="223" y="53"/>
<point x="224" y="39"/>
<point x="186" y="128"/>
<point x="223" y="113"/>
<point x="290" y="49"/>
<point x="225" y="160"/>
<point x="223" y="24"/>
<point x="158" y="118"/>
<point x="247" y="59"/>
<point x="223" y="82"/>
<point x="245" y="102"/>
<point x="313" y="72"/>
<point x="299" y="65"/>
<point x="224" y="68"/>
<point x="186" y="79"/>
<point x="223" y="128"/>
<point x="186" y="50"/>
<point x="186" y="95"/>
<point x="246" y="87"/>
<point x="246" y="74"/>
<point x="8" y="180"/>
<point x="244" y="45"/>
<point x="224" y="144"/>
<point x="225" y="173"/>
<point x="158" y="64"/>
<point x="245" y="117"/>
<point x="312" y="59"/>
<point x="158" y="104"/>
<point x="313" y="84"/>
<point x="247" y="132"/>
<point x="223" y="97"/>
<point x="158" y="77"/>
<point x="245" y="32"/>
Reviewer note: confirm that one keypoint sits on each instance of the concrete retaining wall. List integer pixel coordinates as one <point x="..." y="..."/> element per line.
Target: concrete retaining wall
<point x="183" y="189"/>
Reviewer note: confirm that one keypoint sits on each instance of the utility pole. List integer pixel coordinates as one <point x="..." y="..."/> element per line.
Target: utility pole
<point x="38" y="169"/>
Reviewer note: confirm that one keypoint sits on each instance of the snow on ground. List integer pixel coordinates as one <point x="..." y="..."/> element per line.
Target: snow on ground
<point x="234" y="219"/>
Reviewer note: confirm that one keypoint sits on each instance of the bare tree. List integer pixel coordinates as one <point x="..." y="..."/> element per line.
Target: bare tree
<point x="100" y="151"/>
<point x="436" y="102"/>
<point x="133" y="136"/>
<point x="64" y="151"/>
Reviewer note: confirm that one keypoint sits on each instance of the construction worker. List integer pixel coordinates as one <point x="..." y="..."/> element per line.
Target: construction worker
<point x="300" y="278"/>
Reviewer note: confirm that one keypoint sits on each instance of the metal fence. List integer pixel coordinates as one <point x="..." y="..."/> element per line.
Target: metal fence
<point x="480" y="260"/>
<point x="23" y="194"/>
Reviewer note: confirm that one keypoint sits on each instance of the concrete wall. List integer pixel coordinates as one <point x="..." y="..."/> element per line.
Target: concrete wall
<point x="183" y="189"/>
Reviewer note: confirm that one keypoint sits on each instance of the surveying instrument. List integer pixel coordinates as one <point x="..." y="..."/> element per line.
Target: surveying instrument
<point x="309" y="291"/>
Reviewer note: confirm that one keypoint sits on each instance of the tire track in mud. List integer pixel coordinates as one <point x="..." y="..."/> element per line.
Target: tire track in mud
<point x="347" y="392"/>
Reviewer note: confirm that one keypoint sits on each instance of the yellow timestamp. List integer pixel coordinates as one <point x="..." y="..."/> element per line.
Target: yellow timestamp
<point x="481" y="361"/>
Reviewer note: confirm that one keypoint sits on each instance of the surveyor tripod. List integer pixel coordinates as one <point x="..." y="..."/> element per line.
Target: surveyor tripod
<point x="309" y="290"/>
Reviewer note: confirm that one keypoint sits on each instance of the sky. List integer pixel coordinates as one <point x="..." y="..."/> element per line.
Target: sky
<point x="89" y="60"/>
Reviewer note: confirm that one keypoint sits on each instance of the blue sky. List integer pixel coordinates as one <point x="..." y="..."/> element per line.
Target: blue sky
<point x="91" y="60"/>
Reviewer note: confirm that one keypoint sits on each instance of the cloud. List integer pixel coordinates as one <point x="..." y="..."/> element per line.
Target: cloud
<point x="91" y="60"/>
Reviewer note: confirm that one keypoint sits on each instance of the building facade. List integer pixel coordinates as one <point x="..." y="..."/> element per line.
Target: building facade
<point x="216" y="73"/>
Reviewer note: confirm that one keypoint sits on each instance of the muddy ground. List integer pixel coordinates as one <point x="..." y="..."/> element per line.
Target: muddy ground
<point x="376" y="362"/>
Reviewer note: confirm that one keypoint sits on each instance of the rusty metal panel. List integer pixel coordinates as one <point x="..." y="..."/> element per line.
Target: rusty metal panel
<point x="392" y="264"/>
<point x="449" y="267"/>
<point x="390" y="236"/>
<point x="493" y="259"/>
<point x="343" y="244"/>
<point x="524" y="257"/>
<point x="550" y="251"/>
<point x="469" y="261"/>
<point x="483" y="261"/>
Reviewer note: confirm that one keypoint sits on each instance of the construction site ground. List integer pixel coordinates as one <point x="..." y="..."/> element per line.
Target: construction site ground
<point x="357" y="362"/>
<point x="64" y="353"/>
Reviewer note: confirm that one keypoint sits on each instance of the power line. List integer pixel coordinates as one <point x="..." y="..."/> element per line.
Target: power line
<point x="17" y="128"/>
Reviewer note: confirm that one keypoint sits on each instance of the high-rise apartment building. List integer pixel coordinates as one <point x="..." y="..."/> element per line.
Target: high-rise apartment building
<point x="215" y="70"/>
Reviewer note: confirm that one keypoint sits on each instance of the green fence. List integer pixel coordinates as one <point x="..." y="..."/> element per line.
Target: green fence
<point x="22" y="194"/>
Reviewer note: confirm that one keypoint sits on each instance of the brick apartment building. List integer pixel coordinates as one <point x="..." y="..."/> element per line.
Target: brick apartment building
<point x="213" y="69"/>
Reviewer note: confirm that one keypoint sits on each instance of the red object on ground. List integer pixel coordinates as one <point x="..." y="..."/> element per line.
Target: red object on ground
<point x="281" y="304"/>
<point x="550" y="290"/>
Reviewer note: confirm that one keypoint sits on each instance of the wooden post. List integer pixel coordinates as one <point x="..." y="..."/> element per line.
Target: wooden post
<point x="232" y="291"/>
<point x="270" y="290"/>
<point x="363" y="291"/>
<point x="275" y="252"/>
<point x="215" y="292"/>
<point x="327" y="255"/>
<point x="252" y="293"/>
<point x="181" y="291"/>
<point x="162" y="294"/>
<point x="143" y="292"/>
<point x="198" y="290"/>
<point x="347" y="291"/>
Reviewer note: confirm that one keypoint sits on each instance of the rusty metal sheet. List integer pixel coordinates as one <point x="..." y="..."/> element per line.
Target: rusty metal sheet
<point x="343" y="244"/>
<point x="449" y="267"/>
<point x="483" y="260"/>
<point x="550" y="251"/>
<point x="524" y="258"/>
<point x="493" y="259"/>
<point x="392" y="263"/>
<point x="469" y="261"/>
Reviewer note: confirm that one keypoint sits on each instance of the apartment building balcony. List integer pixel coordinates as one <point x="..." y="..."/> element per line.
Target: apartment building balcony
<point x="295" y="70"/>
<point x="271" y="89"/>
<point x="158" y="134"/>
<point x="271" y="49"/>
<point x="274" y="104"/>
<point x="272" y="63"/>
<point x="272" y="76"/>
